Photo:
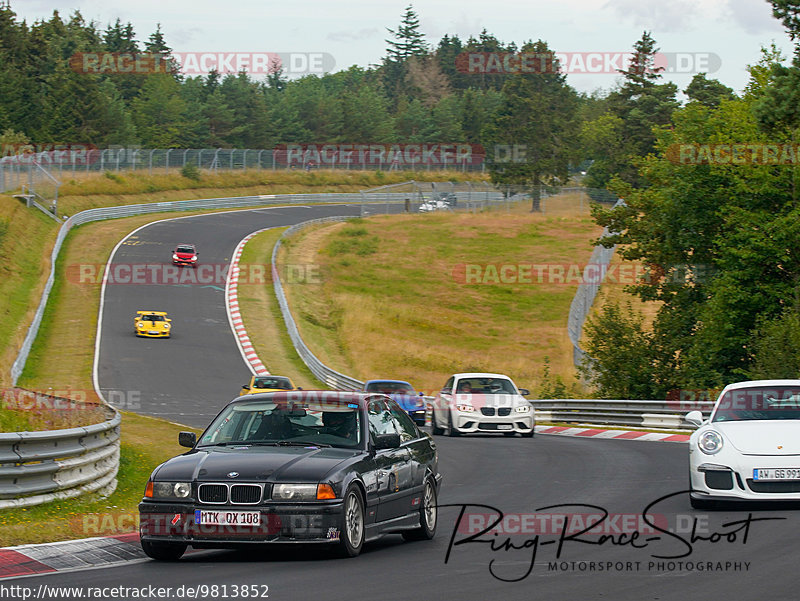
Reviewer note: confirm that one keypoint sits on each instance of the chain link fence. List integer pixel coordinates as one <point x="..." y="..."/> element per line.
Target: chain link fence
<point x="18" y="170"/>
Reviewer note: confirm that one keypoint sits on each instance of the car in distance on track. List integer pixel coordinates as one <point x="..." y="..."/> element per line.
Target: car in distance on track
<point x="403" y="393"/>
<point x="301" y="466"/>
<point x="266" y="384"/>
<point x="749" y="448"/>
<point x="153" y="324"/>
<point x="185" y="254"/>
<point x="482" y="402"/>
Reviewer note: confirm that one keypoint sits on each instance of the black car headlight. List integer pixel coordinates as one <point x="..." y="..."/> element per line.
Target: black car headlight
<point x="168" y="490"/>
<point x="302" y="492"/>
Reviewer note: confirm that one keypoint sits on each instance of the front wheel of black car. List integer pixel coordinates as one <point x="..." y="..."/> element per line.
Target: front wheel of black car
<point x="352" y="537"/>
<point x="428" y="515"/>
<point x="163" y="551"/>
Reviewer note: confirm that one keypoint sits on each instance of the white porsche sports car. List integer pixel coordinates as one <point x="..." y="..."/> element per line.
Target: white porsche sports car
<point x="749" y="448"/>
<point x="482" y="402"/>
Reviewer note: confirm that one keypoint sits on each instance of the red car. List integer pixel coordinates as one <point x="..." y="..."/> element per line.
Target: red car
<point x="185" y="254"/>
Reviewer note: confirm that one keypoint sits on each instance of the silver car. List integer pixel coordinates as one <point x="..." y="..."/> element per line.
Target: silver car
<point x="482" y="402"/>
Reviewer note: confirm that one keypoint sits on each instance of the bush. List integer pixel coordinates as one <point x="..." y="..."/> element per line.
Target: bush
<point x="190" y="171"/>
<point x="114" y="177"/>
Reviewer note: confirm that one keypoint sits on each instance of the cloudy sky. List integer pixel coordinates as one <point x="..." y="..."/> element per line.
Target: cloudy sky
<point x="721" y="36"/>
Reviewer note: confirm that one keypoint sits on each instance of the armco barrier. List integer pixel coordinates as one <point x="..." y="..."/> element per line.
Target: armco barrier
<point x="325" y="374"/>
<point x="645" y="414"/>
<point x="584" y="299"/>
<point x="38" y="467"/>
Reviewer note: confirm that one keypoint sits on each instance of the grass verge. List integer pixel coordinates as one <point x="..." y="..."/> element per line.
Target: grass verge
<point x="88" y="516"/>
<point x="132" y="187"/>
<point x="394" y="301"/>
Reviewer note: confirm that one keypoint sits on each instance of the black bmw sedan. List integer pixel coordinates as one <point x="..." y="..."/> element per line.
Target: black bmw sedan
<point x="301" y="466"/>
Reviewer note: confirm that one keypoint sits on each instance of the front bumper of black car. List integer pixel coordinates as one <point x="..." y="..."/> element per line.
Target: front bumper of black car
<point x="279" y="523"/>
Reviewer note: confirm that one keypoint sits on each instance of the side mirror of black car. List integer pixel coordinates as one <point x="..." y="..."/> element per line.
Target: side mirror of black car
<point x="187" y="439"/>
<point x="387" y="441"/>
<point x="524" y="391"/>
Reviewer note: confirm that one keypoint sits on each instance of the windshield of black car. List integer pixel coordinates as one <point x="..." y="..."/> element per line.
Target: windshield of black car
<point x="326" y="423"/>
<point x="758" y="403"/>
<point x="273" y="383"/>
<point x="390" y="388"/>
<point x="485" y="386"/>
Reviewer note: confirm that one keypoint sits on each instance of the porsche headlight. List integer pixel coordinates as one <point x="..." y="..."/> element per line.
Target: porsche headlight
<point x="710" y="442"/>
<point x="166" y="326"/>
<point x="163" y="490"/>
<point x="140" y="325"/>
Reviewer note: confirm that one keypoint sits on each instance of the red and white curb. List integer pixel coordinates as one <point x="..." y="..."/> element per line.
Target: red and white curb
<point x="612" y="434"/>
<point x="29" y="560"/>
<point x="235" y="316"/>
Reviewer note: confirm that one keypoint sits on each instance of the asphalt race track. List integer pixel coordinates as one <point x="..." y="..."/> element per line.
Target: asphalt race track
<point x="189" y="377"/>
<point x="678" y="553"/>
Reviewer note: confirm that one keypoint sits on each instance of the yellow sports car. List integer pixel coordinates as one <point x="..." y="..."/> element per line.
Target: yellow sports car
<point x="267" y="384"/>
<point x="153" y="324"/>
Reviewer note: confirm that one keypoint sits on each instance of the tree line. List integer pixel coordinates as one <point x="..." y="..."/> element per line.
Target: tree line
<point x="713" y="212"/>
<point x="716" y="237"/>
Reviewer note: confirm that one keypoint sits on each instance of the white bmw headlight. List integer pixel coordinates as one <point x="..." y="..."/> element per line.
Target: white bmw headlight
<point x="710" y="442"/>
<point x="465" y="408"/>
<point x="523" y="409"/>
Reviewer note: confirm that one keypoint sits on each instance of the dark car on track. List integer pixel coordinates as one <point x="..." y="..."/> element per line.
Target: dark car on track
<point x="301" y="466"/>
<point x="403" y="393"/>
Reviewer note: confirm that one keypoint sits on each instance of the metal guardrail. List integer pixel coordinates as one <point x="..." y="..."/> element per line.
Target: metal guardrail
<point x="38" y="467"/>
<point x="330" y="377"/>
<point x="644" y="414"/>
<point x="584" y="297"/>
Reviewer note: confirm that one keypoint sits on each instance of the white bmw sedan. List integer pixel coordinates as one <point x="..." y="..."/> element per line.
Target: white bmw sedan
<point x="482" y="402"/>
<point x="749" y="449"/>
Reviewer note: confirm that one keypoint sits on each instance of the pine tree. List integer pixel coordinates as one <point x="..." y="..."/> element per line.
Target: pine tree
<point x="408" y="41"/>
